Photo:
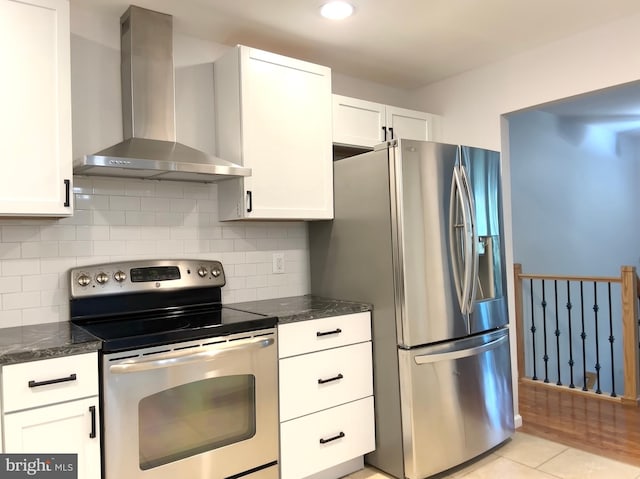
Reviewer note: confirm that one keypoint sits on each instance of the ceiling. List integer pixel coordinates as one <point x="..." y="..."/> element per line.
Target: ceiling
<point x="402" y="43"/>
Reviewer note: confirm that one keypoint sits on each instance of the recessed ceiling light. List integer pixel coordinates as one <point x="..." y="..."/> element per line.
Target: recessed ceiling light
<point x="337" y="10"/>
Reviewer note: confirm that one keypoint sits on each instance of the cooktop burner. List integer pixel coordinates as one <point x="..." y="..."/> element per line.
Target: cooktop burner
<point x="149" y="303"/>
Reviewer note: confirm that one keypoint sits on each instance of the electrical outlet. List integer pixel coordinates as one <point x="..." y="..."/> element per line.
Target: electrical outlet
<point x="278" y="263"/>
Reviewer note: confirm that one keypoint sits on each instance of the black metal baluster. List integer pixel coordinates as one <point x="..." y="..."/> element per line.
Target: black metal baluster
<point x="571" y="363"/>
<point x="544" y="330"/>
<point x="611" y="340"/>
<point x="533" y="330"/>
<point x="583" y="336"/>
<point x="557" y="331"/>
<point x="595" y="318"/>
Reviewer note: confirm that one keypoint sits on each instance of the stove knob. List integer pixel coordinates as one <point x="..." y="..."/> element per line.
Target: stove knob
<point x="84" y="280"/>
<point x="120" y="276"/>
<point x="216" y="272"/>
<point x="202" y="271"/>
<point x="102" y="278"/>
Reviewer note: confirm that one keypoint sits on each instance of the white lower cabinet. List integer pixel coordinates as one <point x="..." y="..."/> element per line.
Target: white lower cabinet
<point x="51" y="406"/>
<point x="322" y="440"/>
<point x="67" y="428"/>
<point x="326" y="396"/>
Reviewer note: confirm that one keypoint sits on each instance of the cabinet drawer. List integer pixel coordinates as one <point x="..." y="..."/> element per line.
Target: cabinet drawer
<point x="52" y="380"/>
<point x="324" y="379"/>
<point x="318" y="334"/>
<point x="303" y="453"/>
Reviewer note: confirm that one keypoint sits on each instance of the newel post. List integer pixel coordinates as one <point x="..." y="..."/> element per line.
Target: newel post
<point x="517" y="286"/>
<point x="630" y="334"/>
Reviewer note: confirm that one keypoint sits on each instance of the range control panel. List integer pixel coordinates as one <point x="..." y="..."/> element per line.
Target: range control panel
<point x="146" y="275"/>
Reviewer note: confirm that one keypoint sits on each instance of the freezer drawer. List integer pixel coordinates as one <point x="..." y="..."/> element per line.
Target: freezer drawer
<point x="456" y="401"/>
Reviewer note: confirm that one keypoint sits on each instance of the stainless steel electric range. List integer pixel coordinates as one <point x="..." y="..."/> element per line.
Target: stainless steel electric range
<point x="188" y="386"/>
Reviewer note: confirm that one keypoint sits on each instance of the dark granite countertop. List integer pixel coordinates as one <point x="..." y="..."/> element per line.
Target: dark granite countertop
<point x="50" y="340"/>
<point x="42" y="341"/>
<point x="301" y="308"/>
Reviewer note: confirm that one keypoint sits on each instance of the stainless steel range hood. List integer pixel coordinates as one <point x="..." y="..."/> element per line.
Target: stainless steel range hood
<point x="150" y="149"/>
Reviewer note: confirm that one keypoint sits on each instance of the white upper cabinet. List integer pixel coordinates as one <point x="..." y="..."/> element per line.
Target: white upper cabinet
<point x="273" y="115"/>
<point x="35" y="121"/>
<point x="364" y="123"/>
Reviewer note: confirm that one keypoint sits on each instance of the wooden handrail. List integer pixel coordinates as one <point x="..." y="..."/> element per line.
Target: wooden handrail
<point x="630" y="353"/>
<point x="630" y="294"/>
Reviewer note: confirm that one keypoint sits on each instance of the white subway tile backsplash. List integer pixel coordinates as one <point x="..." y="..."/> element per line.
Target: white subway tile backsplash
<point x="19" y="267"/>
<point x="155" y="204"/>
<point x="125" y="219"/>
<point x="139" y="218"/>
<point x="111" y="218"/>
<point x="245" y="244"/>
<point x="91" y="202"/>
<point x="124" y="203"/>
<point x="10" y="250"/>
<point x="183" y="205"/>
<point x="10" y="284"/>
<point x="108" y="248"/>
<point x="76" y="248"/>
<point x="39" y="282"/>
<point x="10" y="319"/>
<point x="58" y="233"/>
<point x="233" y="232"/>
<point x="169" y="219"/>
<point x="20" y="233"/>
<point x="20" y="300"/>
<point x="108" y="186"/>
<point x="42" y="249"/>
<point x="48" y="314"/>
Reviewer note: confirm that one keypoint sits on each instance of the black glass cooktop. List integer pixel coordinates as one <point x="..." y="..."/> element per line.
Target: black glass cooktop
<point x="169" y="326"/>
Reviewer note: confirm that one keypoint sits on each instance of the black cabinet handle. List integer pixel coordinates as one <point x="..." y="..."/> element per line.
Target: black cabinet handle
<point x="67" y="193"/>
<point x="249" y="201"/>
<point x="391" y="132"/>
<point x="35" y="384"/>
<point x="92" y="410"/>
<point x="384" y="133"/>
<point x="339" y="436"/>
<point x="327" y="333"/>
<point x="335" y="378"/>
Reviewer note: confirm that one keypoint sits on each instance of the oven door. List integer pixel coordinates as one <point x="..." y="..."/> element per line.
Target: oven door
<point x="206" y="408"/>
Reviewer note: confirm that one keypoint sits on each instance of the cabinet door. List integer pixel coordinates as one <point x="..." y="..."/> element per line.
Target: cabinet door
<point x="286" y="136"/>
<point x="357" y="122"/>
<point x="35" y="121"/>
<point x="409" y="124"/>
<point x="65" y="428"/>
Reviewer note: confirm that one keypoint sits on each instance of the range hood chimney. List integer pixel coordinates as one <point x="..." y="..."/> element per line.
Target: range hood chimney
<point x="150" y="149"/>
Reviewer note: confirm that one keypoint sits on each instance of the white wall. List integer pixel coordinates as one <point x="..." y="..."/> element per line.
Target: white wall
<point x="472" y="103"/>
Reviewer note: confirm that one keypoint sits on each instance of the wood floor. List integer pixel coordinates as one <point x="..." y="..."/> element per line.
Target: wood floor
<point x="601" y="427"/>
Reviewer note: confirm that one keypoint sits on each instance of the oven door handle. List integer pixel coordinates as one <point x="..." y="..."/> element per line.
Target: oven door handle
<point x="179" y="358"/>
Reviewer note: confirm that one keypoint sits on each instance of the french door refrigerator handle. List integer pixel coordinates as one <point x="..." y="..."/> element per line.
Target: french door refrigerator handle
<point x="461" y="353"/>
<point x="474" y="239"/>
<point x="455" y="201"/>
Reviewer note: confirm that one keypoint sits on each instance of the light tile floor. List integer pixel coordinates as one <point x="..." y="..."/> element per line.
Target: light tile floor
<point x="530" y="457"/>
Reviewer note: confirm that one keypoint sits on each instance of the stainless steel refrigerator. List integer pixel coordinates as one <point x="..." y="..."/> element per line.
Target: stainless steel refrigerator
<point x="418" y="233"/>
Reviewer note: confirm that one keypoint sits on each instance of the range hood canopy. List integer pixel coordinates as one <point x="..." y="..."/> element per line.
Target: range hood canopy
<point x="150" y="149"/>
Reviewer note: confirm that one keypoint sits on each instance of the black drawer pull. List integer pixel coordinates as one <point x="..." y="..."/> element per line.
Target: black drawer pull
<point x="327" y="333"/>
<point x="324" y="381"/>
<point x="339" y="436"/>
<point x="92" y="410"/>
<point x="35" y="384"/>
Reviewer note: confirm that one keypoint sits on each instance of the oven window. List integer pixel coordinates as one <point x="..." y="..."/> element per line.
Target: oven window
<point x="197" y="417"/>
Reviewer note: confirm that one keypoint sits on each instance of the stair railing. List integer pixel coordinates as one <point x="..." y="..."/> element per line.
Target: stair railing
<point x="546" y="359"/>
